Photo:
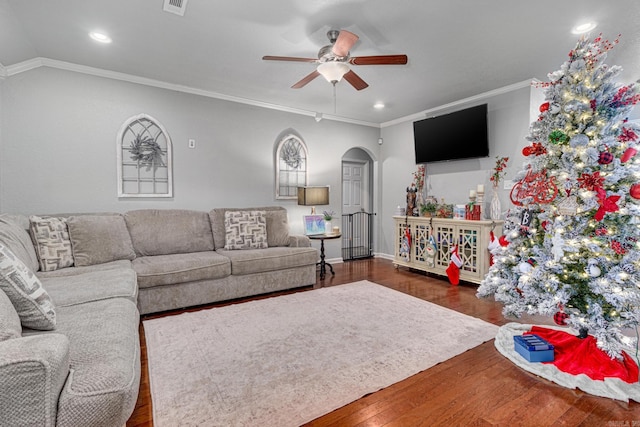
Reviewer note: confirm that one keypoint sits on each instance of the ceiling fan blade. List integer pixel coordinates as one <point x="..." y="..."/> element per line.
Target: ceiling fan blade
<point x="355" y="80"/>
<point x="288" y="58"/>
<point x="344" y="43"/>
<point x="379" y="60"/>
<point x="306" y="80"/>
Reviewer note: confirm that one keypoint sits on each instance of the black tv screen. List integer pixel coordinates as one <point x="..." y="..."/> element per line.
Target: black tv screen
<point x="458" y="135"/>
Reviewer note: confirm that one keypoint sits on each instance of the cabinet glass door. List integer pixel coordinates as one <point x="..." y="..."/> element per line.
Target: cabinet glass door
<point x="468" y="248"/>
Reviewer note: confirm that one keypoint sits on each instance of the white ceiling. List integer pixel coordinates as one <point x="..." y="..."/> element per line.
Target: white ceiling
<point x="456" y="48"/>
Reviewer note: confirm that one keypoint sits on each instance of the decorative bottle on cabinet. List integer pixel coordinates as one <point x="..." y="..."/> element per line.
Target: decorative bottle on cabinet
<point x="495" y="210"/>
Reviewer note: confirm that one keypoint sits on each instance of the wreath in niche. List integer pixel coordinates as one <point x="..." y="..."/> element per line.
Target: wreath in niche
<point x="146" y="151"/>
<point x="291" y="153"/>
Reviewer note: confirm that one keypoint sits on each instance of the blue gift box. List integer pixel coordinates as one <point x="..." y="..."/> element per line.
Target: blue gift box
<point x="533" y="348"/>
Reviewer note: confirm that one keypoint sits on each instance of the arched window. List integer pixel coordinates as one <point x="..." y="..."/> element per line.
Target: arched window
<point x="291" y="166"/>
<point x="144" y="159"/>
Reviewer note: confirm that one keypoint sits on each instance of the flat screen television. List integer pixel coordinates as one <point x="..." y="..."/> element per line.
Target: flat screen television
<point x="458" y="135"/>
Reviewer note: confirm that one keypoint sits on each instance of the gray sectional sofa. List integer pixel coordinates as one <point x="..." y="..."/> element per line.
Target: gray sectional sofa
<point x="90" y="276"/>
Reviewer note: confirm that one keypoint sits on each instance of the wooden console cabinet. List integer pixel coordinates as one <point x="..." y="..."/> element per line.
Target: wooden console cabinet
<point x="472" y="238"/>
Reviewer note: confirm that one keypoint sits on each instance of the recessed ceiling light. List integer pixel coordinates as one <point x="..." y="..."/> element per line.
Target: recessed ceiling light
<point x="584" y="28"/>
<point x="378" y="105"/>
<point x="100" y="37"/>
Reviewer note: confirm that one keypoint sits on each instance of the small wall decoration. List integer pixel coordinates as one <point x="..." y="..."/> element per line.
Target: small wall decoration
<point x="144" y="154"/>
<point x="291" y="166"/>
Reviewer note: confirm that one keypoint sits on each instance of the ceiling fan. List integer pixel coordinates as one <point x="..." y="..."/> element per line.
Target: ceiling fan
<point x="334" y="60"/>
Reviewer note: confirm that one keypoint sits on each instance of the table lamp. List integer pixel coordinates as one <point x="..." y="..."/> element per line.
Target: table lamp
<point x="313" y="196"/>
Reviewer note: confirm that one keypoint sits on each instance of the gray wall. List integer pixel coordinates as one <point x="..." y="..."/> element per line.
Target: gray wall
<point x="58" y="146"/>
<point x="58" y="137"/>
<point x="508" y="126"/>
<point x="1" y="133"/>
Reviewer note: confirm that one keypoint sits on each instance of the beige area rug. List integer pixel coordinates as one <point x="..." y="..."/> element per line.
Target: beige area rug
<point x="287" y="360"/>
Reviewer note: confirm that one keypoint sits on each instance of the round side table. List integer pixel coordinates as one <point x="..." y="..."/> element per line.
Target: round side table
<point x="322" y="263"/>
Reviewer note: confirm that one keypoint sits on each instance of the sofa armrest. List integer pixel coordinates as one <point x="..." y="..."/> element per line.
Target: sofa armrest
<point x="299" y="241"/>
<point x="33" y="371"/>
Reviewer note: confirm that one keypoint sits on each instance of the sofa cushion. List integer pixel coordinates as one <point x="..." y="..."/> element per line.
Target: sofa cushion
<point x="245" y="230"/>
<point x="97" y="239"/>
<point x="104" y="358"/>
<point x="30" y="299"/>
<point x="270" y="259"/>
<point x="216" y="217"/>
<point x="51" y="239"/>
<point x="180" y="268"/>
<point x="15" y="237"/>
<point x="9" y="320"/>
<point x="92" y="286"/>
<point x="277" y="228"/>
<point x="169" y="231"/>
<point x="72" y="271"/>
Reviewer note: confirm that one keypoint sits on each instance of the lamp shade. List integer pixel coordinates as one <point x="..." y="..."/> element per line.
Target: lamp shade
<point x="333" y="71"/>
<point x="313" y="196"/>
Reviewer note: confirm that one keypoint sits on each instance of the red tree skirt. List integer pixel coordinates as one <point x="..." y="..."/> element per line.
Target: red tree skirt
<point x="582" y="356"/>
<point x="612" y="387"/>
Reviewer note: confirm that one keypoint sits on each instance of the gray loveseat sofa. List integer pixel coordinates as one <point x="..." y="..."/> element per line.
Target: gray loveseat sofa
<point x="89" y="277"/>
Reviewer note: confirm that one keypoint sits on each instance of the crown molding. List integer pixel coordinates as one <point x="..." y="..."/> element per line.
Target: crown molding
<point x="21" y="67"/>
<point x="114" y="75"/>
<point x="427" y="113"/>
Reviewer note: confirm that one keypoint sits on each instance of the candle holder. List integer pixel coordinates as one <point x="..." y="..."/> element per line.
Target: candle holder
<point x="480" y="200"/>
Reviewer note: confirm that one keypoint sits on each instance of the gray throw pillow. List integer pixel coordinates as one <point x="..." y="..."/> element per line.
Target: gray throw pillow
<point x="15" y="236"/>
<point x="277" y="228"/>
<point x="97" y="239"/>
<point x="245" y="230"/>
<point x="30" y="299"/>
<point x="9" y="319"/>
<point x="51" y="238"/>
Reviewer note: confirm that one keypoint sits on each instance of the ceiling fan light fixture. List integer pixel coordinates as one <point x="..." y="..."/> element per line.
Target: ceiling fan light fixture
<point x="333" y="71"/>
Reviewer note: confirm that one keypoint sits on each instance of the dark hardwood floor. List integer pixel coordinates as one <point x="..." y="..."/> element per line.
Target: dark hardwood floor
<point x="477" y="388"/>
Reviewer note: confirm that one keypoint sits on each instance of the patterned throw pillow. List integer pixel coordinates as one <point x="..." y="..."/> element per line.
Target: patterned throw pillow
<point x="9" y="320"/>
<point x="30" y="299"/>
<point x="245" y="230"/>
<point x="53" y="246"/>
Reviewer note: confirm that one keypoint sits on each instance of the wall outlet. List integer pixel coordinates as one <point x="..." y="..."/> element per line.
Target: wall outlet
<point x="192" y="143"/>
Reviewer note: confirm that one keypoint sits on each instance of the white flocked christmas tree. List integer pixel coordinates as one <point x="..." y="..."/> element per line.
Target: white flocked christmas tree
<point x="574" y="234"/>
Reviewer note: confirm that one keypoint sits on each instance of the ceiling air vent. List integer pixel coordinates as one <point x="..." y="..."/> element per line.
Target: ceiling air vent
<point x="175" y="6"/>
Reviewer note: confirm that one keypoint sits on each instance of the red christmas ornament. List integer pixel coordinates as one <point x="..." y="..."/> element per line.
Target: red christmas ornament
<point x="537" y="185"/>
<point x="627" y="135"/>
<point x="634" y="191"/>
<point x="607" y="204"/>
<point x="560" y="317"/>
<point x="544" y="107"/>
<point x="536" y="149"/>
<point x="590" y="181"/>
<point x="628" y="154"/>
<point x="617" y="247"/>
<point x="605" y="158"/>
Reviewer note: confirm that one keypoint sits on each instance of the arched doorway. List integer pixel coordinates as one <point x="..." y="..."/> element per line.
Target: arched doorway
<point x="357" y="204"/>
